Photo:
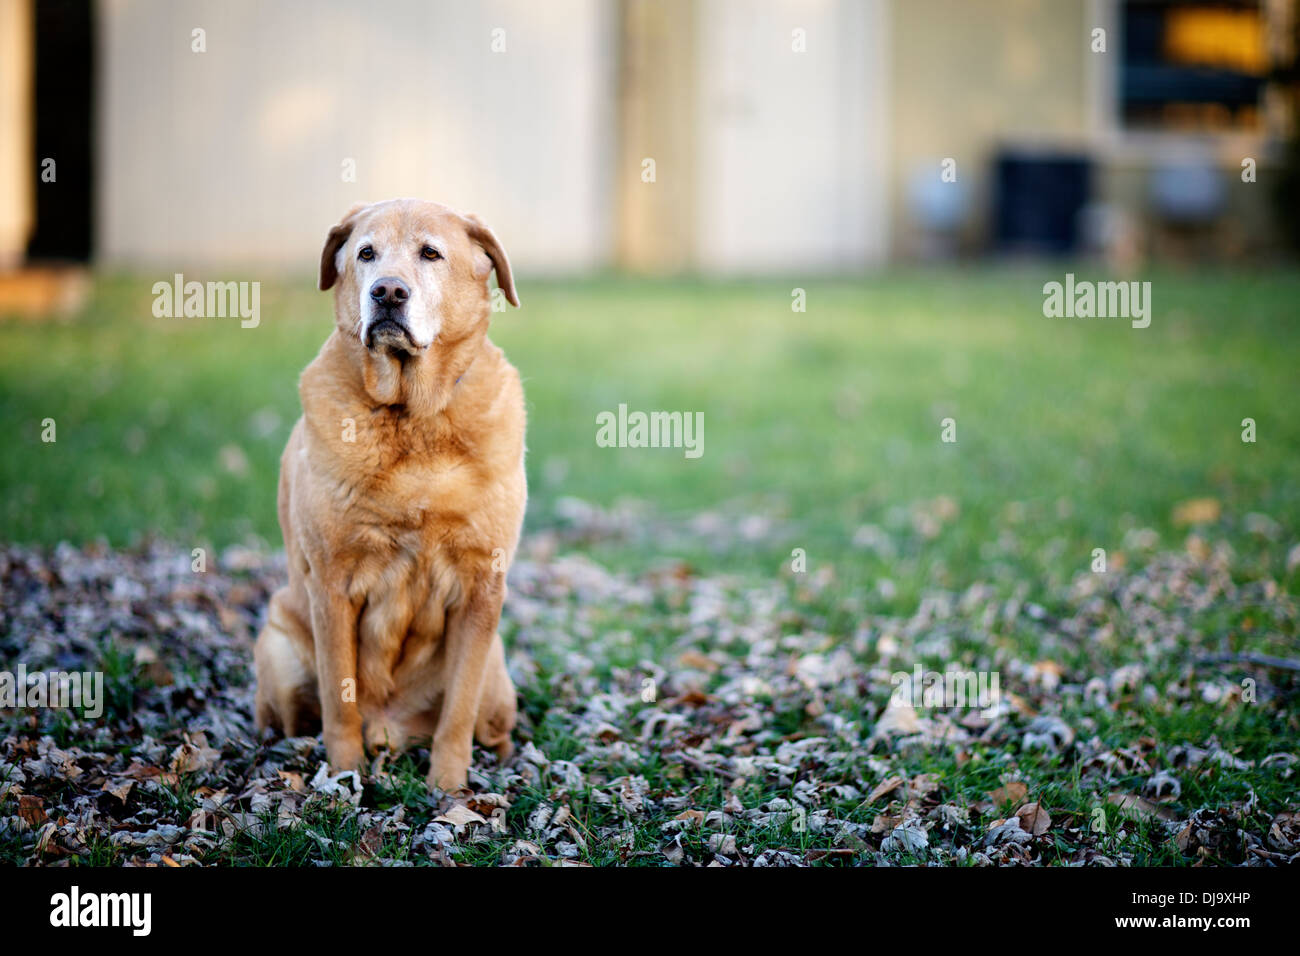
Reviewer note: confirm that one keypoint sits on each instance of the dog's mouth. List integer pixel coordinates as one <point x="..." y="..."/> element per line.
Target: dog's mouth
<point x="387" y="332"/>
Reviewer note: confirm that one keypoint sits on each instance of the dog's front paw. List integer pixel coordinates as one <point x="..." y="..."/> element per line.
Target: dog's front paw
<point x="345" y="752"/>
<point x="448" y="772"/>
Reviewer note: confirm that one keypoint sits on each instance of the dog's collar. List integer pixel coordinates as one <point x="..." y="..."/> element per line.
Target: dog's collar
<point x="462" y="376"/>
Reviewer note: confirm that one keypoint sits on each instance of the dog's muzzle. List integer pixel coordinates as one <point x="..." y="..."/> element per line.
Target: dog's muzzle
<point x="387" y="324"/>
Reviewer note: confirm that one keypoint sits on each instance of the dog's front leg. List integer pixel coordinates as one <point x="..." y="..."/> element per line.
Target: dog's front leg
<point x="334" y="629"/>
<point x="471" y="628"/>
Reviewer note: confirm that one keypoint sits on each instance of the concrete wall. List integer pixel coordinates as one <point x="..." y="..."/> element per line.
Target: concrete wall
<point x="233" y="157"/>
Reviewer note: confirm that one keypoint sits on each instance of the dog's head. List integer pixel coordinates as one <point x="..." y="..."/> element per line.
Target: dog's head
<point x="410" y="273"/>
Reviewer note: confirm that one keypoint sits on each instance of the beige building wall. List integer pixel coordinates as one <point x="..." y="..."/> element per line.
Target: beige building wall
<point x="969" y="75"/>
<point x="767" y="124"/>
<point x="793" y="135"/>
<point x="18" y="173"/>
<point x="234" y="157"/>
<point x="766" y="158"/>
<point x="657" y="124"/>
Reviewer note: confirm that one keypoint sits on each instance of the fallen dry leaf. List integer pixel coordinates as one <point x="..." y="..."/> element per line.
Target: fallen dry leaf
<point x="1141" y="807"/>
<point x="697" y="661"/>
<point x="1012" y="792"/>
<point x="884" y="823"/>
<point x="886" y="786"/>
<point x="118" y="788"/>
<point x="1034" y="819"/>
<point x="1197" y="511"/>
<point x="31" y="809"/>
<point x="292" y="780"/>
<point x="460" y="815"/>
<point x="194" y="755"/>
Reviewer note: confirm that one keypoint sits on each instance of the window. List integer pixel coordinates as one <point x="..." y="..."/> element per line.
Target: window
<point x="1193" y="66"/>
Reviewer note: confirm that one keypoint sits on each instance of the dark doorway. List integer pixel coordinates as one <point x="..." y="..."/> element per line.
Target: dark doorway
<point x="64" y="110"/>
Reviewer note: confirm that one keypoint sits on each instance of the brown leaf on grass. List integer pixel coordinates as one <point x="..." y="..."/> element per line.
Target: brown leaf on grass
<point x="292" y="780"/>
<point x="118" y="788"/>
<point x="694" y="816"/>
<point x="1284" y="832"/>
<point x="884" y="823"/>
<point x="889" y="785"/>
<point x="45" y="839"/>
<point x="1211" y="833"/>
<point x="1046" y="674"/>
<point x="367" y="848"/>
<point x="1012" y="792"/>
<point x="1008" y="830"/>
<point x="697" y="661"/>
<point x="918" y="789"/>
<point x="922" y="785"/>
<point x="488" y="804"/>
<point x="147" y="660"/>
<point x="460" y="816"/>
<point x="694" y="697"/>
<point x="31" y="809"/>
<point x="1019" y="704"/>
<point x="1197" y="511"/>
<point x="139" y="770"/>
<point x="203" y="821"/>
<point x="1197" y="547"/>
<point x="194" y="755"/>
<point x="1034" y="819"/>
<point x="897" y="719"/>
<point x="1141" y="807"/>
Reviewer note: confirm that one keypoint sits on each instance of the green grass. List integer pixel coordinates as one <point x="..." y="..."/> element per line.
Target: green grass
<point x="1071" y="433"/>
<point x="823" y="420"/>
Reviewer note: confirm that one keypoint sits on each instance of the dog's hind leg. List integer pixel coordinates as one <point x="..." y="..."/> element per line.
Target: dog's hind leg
<point x="287" y="698"/>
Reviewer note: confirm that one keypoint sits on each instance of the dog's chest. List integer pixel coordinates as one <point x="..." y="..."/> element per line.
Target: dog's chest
<point x="408" y="531"/>
<point x="406" y="535"/>
<point x="406" y="581"/>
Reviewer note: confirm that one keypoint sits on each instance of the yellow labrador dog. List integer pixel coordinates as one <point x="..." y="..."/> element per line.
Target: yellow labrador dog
<point x="401" y="499"/>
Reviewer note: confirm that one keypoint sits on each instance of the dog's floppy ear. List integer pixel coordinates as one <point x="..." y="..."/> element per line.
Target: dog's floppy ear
<point x="329" y="272"/>
<point x="481" y="235"/>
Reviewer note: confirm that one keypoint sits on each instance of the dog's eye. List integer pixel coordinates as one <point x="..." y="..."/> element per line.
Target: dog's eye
<point x="430" y="253"/>
<point x="366" y="253"/>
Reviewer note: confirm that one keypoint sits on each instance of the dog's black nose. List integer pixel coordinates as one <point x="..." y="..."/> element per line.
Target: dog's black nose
<point x="390" y="290"/>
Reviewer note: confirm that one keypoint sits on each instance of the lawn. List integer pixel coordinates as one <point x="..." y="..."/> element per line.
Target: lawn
<point x="765" y="722"/>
